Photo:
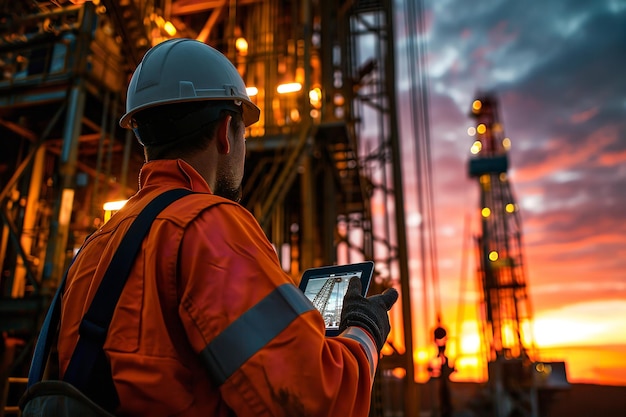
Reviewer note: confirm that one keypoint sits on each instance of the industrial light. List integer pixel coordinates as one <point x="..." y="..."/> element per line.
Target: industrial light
<point x="114" y="205"/>
<point x="506" y="143"/>
<point x="289" y="88"/>
<point x="242" y="46"/>
<point x="510" y="208"/>
<point x="111" y="207"/>
<point x="169" y="28"/>
<point x="476" y="105"/>
<point x="471" y="131"/>
<point x="543" y="368"/>
<point x="315" y="97"/>
<point x="493" y="256"/>
<point x="486" y="211"/>
<point x="477" y="146"/>
<point x="252" y="91"/>
<point x="162" y="24"/>
<point x="481" y="128"/>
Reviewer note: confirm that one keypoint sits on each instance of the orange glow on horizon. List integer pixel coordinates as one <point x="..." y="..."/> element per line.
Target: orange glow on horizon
<point x="594" y="350"/>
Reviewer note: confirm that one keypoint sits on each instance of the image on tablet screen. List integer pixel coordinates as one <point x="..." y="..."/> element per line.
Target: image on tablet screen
<point x="326" y="292"/>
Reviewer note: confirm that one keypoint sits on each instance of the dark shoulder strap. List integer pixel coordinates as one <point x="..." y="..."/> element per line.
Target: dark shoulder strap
<point x="46" y="334"/>
<point x="95" y="323"/>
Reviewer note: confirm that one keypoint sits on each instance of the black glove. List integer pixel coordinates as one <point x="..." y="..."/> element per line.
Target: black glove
<point x="368" y="313"/>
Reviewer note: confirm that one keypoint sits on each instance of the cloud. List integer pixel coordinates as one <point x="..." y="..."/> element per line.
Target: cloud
<point x="557" y="70"/>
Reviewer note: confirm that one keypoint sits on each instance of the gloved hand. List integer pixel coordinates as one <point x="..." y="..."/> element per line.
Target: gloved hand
<point x="368" y="313"/>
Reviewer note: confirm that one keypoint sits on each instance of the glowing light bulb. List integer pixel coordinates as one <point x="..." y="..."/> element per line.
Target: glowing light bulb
<point x="114" y="205"/>
<point x="242" y="45"/>
<point x="481" y="129"/>
<point x="169" y="28"/>
<point x="289" y="88"/>
<point x="493" y="256"/>
<point x="476" y="147"/>
<point x="315" y="97"/>
<point x="486" y="212"/>
<point x="506" y="143"/>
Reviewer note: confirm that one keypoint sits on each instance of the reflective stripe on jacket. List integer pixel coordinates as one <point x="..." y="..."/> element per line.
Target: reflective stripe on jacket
<point x="204" y="265"/>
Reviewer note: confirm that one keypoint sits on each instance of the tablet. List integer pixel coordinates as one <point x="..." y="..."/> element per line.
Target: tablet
<point x="326" y="286"/>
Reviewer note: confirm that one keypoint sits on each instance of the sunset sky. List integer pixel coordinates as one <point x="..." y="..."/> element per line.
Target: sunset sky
<point x="558" y="69"/>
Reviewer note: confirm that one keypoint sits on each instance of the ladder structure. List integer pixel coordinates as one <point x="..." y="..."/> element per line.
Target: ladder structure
<point x="515" y="376"/>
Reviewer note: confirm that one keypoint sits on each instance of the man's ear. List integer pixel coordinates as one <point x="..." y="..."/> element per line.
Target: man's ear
<point x="223" y="142"/>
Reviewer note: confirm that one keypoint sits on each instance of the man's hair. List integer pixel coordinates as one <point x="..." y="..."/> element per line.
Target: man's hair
<point x="177" y="130"/>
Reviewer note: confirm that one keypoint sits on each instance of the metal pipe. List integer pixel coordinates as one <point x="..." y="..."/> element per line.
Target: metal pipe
<point x="30" y="218"/>
<point x="103" y="134"/>
<point x="309" y="218"/>
<point x="60" y="224"/>
<point x="411" y="393"/>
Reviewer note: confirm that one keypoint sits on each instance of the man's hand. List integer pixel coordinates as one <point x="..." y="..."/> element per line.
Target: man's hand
<point x="368" y="313"/>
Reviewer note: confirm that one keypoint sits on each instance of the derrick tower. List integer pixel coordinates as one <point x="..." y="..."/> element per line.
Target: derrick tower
<point x="322" y="299"/>
<point x="505" y="303"/>
<point x="515" y="374"/>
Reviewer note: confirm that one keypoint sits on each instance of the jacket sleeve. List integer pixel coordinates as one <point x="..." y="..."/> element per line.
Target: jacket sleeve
<point x="262" y="341"/>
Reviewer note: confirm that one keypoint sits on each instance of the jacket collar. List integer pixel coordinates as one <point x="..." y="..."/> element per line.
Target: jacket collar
<point x="171" y="173"/>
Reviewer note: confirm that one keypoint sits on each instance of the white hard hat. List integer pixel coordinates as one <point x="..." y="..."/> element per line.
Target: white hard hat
<point x="184" y="70"/>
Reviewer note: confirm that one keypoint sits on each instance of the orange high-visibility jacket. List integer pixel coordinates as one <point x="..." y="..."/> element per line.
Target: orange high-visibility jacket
<point x="208" y="323"/>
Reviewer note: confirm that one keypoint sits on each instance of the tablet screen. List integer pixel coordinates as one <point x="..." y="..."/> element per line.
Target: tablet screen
<point x="326" y="287"/>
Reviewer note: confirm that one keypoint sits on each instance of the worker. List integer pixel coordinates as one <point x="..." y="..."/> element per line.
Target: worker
<point x="208" y="323"/>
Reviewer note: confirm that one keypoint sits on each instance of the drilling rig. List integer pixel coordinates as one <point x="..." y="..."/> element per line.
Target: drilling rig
<point x="323" y="297"/>
<point x="324" y="152"/>
<point x="518" y="384"/>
